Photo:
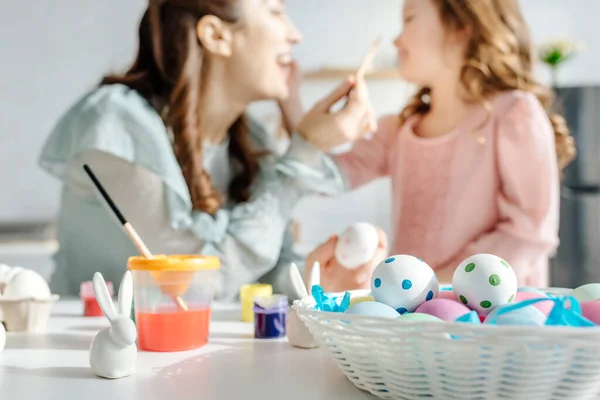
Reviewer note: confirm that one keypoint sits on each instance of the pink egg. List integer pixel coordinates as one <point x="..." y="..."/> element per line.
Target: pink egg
<point x="446" y="294"/>
<point x="543" y="306"/>
<point x="591" y="311"/>
<point x="444" y="309"/>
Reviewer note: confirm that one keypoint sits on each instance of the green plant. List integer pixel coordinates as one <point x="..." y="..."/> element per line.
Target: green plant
<point x="555" y="53"/>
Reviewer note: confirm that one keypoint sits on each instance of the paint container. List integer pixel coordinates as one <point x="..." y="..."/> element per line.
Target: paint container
<point x="163" y="325"/>
<point x="247" y="295"/>
<point x="91" y="308"/>
<point x="269" y="316"/>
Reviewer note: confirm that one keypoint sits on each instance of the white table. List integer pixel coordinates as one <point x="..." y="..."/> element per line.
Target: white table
<point x="54" y="366"/>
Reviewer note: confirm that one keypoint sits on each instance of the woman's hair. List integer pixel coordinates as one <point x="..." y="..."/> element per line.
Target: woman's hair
<point x="168" y="72"/>
<point x="499" y="58"/>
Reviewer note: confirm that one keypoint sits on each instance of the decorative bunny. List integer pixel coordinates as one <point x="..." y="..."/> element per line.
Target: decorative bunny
<point x="297" y="332"/>
<point x="113" y="352"/>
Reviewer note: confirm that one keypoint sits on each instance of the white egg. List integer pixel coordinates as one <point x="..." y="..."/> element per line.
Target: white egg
<point x="484" y="282"/>
<point x="27" y="284"/>
<point x="404" y="283"/>
<point x="357" y="245"/>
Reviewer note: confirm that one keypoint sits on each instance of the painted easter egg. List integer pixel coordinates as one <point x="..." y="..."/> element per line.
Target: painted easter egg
<point x="404" y="283"/>
<point x="543" y="306"/>
<point x="372" y="309"/>
<point x="418" y="317"/>
<point x="526" y="316"/>
<point x="356" y="300"/>
<point x="444" y="309"/>
<point x="530" y="289"/>
<point x="484" y="282"/>
<point x="357" y="245"/>
<point x="591" y="311"/>
<point x="589" y="292"/>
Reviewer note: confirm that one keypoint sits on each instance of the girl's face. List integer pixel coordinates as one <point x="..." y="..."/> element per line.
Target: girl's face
<point x="427" y="51"/>
<point x="261" y="50"/>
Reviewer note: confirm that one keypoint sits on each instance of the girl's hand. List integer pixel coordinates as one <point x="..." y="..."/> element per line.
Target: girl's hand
<point x="336" y="278"/>
<point x="326" y="130"/>
<point x="291" y="108"/>
<point x="445" y="274"/>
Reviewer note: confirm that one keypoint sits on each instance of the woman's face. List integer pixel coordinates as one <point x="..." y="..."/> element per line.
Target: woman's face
<point x="262" y="49"/>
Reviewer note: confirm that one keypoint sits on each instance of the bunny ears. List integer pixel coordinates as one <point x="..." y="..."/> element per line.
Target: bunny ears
<point x="298" y="282"/>
<point x="105" y="301"/>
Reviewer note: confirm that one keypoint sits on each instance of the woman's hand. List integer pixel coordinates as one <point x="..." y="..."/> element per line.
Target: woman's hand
<point x="291" y="108"/>
<point x="336" y="278"/>
<point x="326" y="130"/>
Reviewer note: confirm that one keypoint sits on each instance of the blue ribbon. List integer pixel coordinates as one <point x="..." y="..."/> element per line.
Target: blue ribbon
<point x="330" y="304"/>
<point x="470" y="318"/>
<point x="560" y="314"/>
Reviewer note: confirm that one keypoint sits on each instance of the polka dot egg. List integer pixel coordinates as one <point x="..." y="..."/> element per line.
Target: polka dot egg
<point x="484" y="282"/>
<point x="404" y="283"/>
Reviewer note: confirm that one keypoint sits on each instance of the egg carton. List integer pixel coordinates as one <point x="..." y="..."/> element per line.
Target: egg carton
<point x="26" y="315"/>
<point x="25" y="300"/>
<point x="392" y="359"/>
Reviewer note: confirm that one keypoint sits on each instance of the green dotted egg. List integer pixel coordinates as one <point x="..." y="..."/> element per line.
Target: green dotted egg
<point x="470" y="267"/>
<point x="485" y="304"/>
<point x="495" y="280"/>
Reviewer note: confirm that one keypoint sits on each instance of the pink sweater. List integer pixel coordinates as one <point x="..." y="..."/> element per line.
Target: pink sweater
<point x="454" y="197"/>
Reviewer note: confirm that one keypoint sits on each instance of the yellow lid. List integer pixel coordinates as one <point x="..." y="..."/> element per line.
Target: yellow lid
<point x="174" y="263"/>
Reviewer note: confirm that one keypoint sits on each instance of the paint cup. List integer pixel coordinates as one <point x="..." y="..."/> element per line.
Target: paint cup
<point x="247" y="295"/>
<point x="162" y="325"/>
<point x="91" y="308"/>
<point x="269" y="316"/>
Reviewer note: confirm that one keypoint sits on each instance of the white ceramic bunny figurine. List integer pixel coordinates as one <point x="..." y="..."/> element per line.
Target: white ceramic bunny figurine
<point x="297" y="332"/>
<point x="113" y="352"/>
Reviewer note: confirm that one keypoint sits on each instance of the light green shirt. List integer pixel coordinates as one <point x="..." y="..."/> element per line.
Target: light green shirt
<point x="124" y="140"/>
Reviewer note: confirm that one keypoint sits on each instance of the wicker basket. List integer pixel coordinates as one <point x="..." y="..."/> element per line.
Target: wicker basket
<point x="402" y="360"/>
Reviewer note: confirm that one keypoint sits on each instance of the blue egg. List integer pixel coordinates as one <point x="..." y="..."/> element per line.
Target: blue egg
<point x="373" y="309"/>
<point x="530" y="289"/>
<point x="526" y="316"/>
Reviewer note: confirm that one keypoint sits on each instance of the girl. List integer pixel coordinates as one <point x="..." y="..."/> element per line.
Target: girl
<point x="170" y="142"/>
<point x="474" y="157"/>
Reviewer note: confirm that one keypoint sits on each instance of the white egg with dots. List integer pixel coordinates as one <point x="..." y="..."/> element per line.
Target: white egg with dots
<point x="404" y="282"/>
<point x="484" y="282"/>
<point x="357" y="245"/>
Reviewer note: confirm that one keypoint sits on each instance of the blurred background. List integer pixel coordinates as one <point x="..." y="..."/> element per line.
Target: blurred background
<point x="52" y="52"/>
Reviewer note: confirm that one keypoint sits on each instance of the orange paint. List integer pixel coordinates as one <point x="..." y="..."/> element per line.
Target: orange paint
<point x="174" y="331"/>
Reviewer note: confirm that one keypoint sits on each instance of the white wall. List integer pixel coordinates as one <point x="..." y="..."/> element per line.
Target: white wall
<point x="54" y="51"/>
<point x="51" y="52"/>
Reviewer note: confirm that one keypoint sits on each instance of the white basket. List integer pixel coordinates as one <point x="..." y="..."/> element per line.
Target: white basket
<point x="403" y="360"/>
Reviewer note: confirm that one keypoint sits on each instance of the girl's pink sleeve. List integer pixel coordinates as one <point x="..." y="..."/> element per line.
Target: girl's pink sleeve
<point x="368" y="159"/>
<point x="528" y="199"/>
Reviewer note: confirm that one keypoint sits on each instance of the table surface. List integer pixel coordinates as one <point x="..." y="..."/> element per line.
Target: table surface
<point x="232" y="366"/>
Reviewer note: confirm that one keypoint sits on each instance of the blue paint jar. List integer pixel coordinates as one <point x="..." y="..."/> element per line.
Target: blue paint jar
<point x="269" y="316"/>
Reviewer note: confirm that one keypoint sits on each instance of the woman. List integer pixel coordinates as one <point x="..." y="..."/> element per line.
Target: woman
<point x="170" y="142"/>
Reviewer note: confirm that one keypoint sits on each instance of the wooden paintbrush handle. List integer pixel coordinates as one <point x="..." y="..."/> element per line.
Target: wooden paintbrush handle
<point x="137" y="241"/>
